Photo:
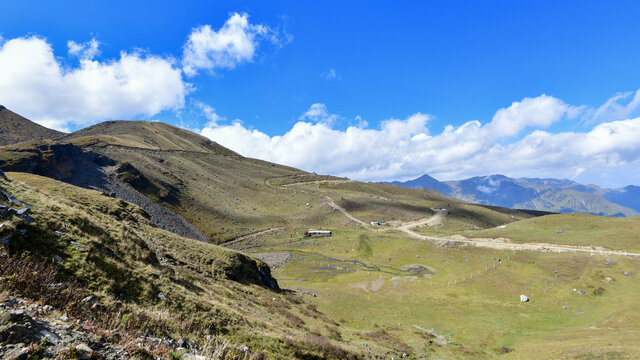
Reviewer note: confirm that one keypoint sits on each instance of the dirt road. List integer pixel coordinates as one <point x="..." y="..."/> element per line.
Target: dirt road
<point x="501" y="244"/>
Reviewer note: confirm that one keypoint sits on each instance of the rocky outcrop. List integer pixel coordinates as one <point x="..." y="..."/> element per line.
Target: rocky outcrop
<point x="87" y="169"/>
<point x="32" y="331"/>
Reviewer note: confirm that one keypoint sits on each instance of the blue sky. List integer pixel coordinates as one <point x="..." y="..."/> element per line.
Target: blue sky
<point x="348" y="65"/>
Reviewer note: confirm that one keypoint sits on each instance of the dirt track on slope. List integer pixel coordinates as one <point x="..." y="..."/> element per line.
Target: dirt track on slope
<point x="499" y="244"/>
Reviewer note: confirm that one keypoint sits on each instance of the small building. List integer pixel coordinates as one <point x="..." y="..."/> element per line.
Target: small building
<point x="317" y="233"/>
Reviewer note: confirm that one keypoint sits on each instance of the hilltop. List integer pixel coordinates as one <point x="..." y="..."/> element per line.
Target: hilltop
<point x="15" y="128"/>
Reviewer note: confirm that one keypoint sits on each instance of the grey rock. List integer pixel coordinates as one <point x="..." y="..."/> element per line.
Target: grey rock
<point x="11" y="302"/>
<point x="20" y="354"/>
<point x="610" y="262"/>
<point x="64" y="317"/>
<point x="84" y="348"/>
<point x="97" y="306"/>
<point x="51" y="337"/>
<point x="626" y="273"/>
<point x="162" y="297"/>
<point x="57" y="258"/>
<point x="581" y="292"/>
<point x="182" y="342"/>
<point x="243" y="348"/>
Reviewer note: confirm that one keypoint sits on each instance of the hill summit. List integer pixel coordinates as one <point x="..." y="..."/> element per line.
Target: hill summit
<point x="15" y="128"/>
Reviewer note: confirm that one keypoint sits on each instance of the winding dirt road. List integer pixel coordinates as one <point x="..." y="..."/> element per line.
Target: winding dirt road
<point x="500" y="244"/>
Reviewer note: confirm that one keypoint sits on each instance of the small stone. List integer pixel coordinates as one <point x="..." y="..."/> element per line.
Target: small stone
<point x="64" y="317"/>
<point x="581" y="292"/>
<point x="96" y="306"/>
<point x="580" y="313"/>
<point x="84" y="348"/>
<point x="564" y="307"/>
<point x="51" y="337"/>
<point x="243" y="348"/>
<point x="87" y="299"/>
<point x="162" y="296"/>
<point x="626" y="273"/>
<point x="182" y="342"/>
<point x="524" y="298"/>
<point x="610" y="262"/>
<point x="57" y="258"/>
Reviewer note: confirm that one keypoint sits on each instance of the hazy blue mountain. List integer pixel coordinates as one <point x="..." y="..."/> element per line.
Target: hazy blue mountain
<point x="556" y="195"/>
<point x="628" y="196"/>
<point x="425" y="182"/>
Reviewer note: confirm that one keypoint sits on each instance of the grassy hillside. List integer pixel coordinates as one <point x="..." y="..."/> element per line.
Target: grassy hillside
<point x="15" y="128"/>
<point x="366" y="291"/>
<point x="572" y="229"/>
<point x="463" y="302"/>
<point x="178" y="287"/>
<point x="223" y="194"/>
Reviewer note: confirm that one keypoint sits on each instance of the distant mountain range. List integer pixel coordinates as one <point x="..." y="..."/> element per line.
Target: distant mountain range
<point x="562" y="196"/>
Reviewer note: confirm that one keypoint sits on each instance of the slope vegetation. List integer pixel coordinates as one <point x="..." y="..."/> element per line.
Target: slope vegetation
<point x="15" y="128"/>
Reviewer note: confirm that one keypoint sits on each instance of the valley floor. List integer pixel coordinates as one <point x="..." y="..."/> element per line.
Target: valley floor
<point x="459" y="297"/>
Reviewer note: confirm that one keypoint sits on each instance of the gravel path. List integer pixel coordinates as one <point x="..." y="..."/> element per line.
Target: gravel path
<point x="500" y="244"/>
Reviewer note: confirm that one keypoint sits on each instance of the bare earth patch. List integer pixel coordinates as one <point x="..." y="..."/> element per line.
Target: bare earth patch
<point x="274" y="259"/>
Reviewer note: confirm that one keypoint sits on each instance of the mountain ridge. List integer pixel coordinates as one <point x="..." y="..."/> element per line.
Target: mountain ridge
<point x="544" y="194"/>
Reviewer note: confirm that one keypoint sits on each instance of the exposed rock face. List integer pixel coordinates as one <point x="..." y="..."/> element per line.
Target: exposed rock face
<point x="87" y="169"/>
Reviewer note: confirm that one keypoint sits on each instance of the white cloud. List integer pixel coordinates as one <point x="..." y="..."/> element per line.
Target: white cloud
<point x="331" y="74"/>
<point x="541" y="111"/>
<point x="319" y="113"/>
<point x="210" y="114"/>
<point x="34" y="84"/>
<point x="405" y="148"/>
<point x="233" y="44"/>
<point x="612" y="109"/>
<point x="87" y="51"/>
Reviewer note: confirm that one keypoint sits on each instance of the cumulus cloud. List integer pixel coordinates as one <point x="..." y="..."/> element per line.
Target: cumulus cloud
<point x="235" y="43"/>
<point x="36" y="85"/>
<point x="405" y="148"/>
<point x="88" y="50"/>
<point x="541" y="111"/>
<point x="319" y="113"/>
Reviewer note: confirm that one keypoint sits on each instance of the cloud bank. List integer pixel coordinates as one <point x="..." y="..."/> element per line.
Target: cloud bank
<point x="40" y="86"/>
<point x="35" y="84"/>
<point x="405" y="148"/>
